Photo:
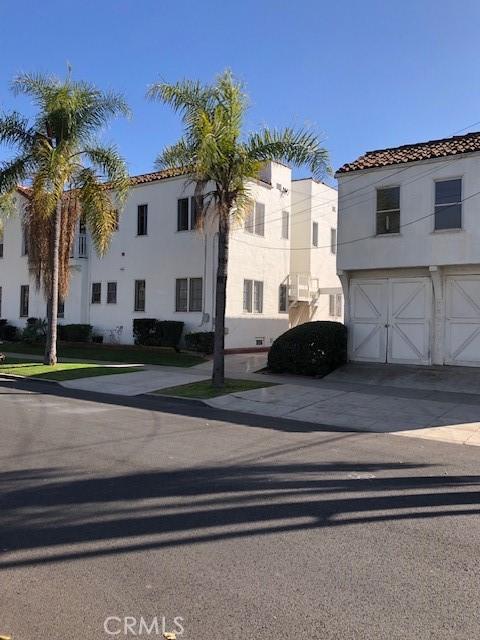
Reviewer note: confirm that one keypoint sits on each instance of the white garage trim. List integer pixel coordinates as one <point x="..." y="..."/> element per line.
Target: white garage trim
<point x="462" y="320"/>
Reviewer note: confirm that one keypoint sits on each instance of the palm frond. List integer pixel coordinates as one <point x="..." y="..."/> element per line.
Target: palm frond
<point x="14" y="131"/>
<point x="296" y="147"/>
<point x="14" y="172"/>
<point x="182" y="96"/>
<point x="176" y="155"/>
<point x="113" y="169"/>
<point x="97" y="208"/>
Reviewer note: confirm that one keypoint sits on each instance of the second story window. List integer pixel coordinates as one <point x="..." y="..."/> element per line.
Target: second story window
<point x="1" y="243"/>
<point x="182" y="214"/>
<point x="24" y="241"/>
<point x="285" y="224"/>
<point x="315" y="234"/>
<point x="142" y="219"/>
<point x="111" y="293"/>
<point x="255" y="219"/>
<point x="388" y="210"/>
<point x="333" y="240"/>
<point x="448" y="204"/>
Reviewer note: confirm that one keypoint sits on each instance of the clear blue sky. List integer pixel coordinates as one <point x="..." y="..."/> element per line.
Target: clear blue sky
<point x="365" y="73"/>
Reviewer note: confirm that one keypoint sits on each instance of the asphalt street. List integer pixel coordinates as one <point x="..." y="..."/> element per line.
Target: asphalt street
<point x="118" y="512"/>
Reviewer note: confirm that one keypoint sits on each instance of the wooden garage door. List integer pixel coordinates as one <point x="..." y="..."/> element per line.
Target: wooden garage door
<point x="390" y="320"/>
<point x="462" y="320"/>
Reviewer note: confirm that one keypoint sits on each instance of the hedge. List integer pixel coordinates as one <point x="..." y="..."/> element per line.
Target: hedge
<point x="75" y="332"/>
<point x="151" y="332"/>
<point x="312" y="349"/>
<point x="201" y="341"/>
<point x="8" y="331"/>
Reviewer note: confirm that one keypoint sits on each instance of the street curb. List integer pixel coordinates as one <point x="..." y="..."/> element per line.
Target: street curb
<point x="180" y="399"/>
<point x="14" y="376"/>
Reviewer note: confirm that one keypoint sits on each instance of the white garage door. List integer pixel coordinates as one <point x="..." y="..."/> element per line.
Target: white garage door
<point x="390" y="320"/>
<point x="462" y="320"/>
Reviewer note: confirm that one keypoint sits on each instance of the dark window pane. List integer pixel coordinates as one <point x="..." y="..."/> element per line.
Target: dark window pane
<point x="139" y="295"/>
<point x="388" y="198"/>
<point x="282" y="298"/>
<point x="448" y="216"/>
<point x="182" y="214"/>
<point x="61" y="309"/>
<point x="24" y="296"/>
<point x="258" y="296"/>
<point x="448" y="191"/>
<point x="388" y="222"/>
<point x="196" y="290"/>
<point x="96" y="292"/>
<point x="111" y="292"/>
<point x="181" y="294"/>
<point x="196" y="206"/>
<point x="142" y="219"/>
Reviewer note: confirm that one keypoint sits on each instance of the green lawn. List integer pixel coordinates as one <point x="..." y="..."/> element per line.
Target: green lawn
<point x="127" y="355"/>
<point x="204" y="389"/>
<point x="63" y="371"/>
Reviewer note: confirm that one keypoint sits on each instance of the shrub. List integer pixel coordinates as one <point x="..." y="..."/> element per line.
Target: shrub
<point x="8" y="332"/>
<point x="151" y="332"/>
<point x="75" y="332"/>
<point x="312" y="349"/>
<point x="201" y="341"/>
<point x="35" y="332"/>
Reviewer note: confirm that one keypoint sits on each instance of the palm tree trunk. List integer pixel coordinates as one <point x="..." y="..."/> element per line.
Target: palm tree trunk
<point x="51" y="345"/>
<point x="218" y="377"/>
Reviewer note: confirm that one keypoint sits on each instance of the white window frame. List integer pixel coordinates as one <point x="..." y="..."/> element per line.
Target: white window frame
<point x="315" y="231"/>
<point x="377" y="211"/>
<point x="434" y="199"/>
<point x="251" y="223"/>
<point x="250" y="305"/>
<point x="188" y="300"/>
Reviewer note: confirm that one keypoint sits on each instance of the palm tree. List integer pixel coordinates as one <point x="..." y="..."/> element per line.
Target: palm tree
<point x="218" y="157"/>
<point x="65" y="168"/>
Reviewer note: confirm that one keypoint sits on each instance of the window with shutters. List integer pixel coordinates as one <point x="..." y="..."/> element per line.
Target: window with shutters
<point x="142" y="219"/>
<point x="388" y="211"/>
<point x="139" y="301"/>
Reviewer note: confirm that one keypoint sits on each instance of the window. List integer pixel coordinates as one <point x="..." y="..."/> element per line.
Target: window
<point x="448" y="204"/>
<point x="388" y="210"/>
<point x="182" y="214"/>
<point x="139" y="295"/>
<point x="0" y="302"/>
<point x="96" y="292"/>
<point x="1" y="243"/>
<point x="181" y="294"/>
<point x="24" y="296"/>
<point x="283" y="298"/>
<point x="61" y="309"/>
<point x="333" y="240"/>
<point x="315" y="234"/>
<point x="335" y="305"/>
<point x="24" y="241"/>
<point x="196" y="207"/>
<point x="247" y="295"/>
<point x="116" y="223"/>
<point x="285" y="224"/>
<point x="142" y="219"/>
<point x="253" y="296"/>
<point x="255" y="219"/>
<point x="195" y="297"/>
<point x="111" y="293"/>
<point x="259" y="342"/>
<point x="189" y="294"/>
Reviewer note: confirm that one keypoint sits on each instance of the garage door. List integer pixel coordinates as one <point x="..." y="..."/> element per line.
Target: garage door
<point x="462" y="320"/>
<point x="390" y="320"/>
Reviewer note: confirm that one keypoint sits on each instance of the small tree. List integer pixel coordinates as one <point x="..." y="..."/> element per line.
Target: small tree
<point x="216" y="155"/>
<point x="65" y="169"/>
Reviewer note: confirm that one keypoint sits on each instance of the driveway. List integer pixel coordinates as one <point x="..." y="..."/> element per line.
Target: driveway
<point x="243" y="526"/>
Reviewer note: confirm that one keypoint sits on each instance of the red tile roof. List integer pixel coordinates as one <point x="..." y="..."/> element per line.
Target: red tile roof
<point x="158" y="175"/>
<point x="468" y="143"/>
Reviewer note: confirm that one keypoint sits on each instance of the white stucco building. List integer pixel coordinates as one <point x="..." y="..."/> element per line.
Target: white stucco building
<point x="409" y="252"/>
<point x="281" y="263"/>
